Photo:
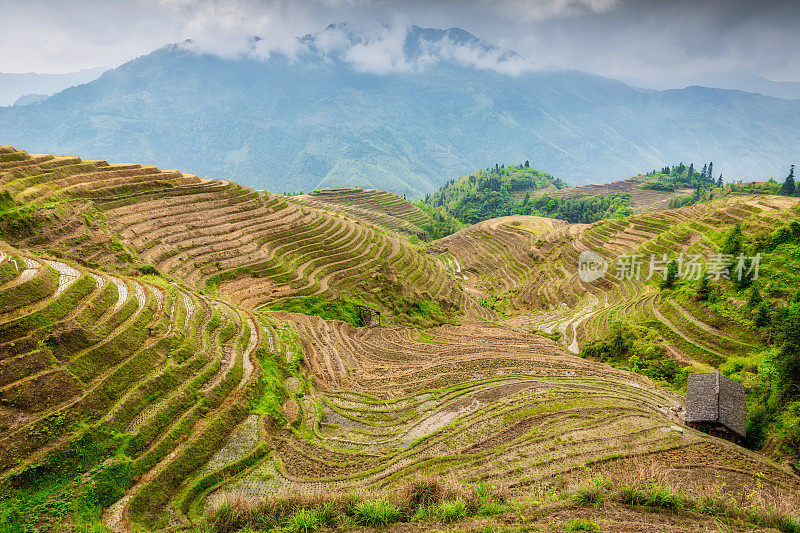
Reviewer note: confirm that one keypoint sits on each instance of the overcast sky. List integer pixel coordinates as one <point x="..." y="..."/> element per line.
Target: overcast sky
<point x="650" y="43"/>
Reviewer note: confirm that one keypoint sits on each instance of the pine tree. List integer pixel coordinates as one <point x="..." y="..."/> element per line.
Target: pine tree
<point x="690" y="173"/>
<point x="755" y="298"/>
<point x="704" y="173"/>
<point x="672" y="275"/>
<point x="527" y="164"/>
<point x="788" y="187"/>
<point x="720" y="183"/>
<point x="705" y="288"/>
<point x="733" y="242"/>
<point x="761" y="316"/>
<point x="710" y="173"/>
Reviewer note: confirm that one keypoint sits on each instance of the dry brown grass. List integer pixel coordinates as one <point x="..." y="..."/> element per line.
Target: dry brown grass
<point x="426" y="495"/>
<point x="428" y="500"/>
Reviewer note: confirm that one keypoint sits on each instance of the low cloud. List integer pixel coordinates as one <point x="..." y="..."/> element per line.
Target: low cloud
<point x="228" y="28"/>
<point x="653" y="43"/>
<point x="482" y="57"/>
<point x="381" y="53"/>
<point x="525" y="10"/>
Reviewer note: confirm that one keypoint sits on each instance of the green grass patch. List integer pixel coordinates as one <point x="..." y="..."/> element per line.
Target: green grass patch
<point x="340" y="309"/>
<point x="452" y="510"/>
<point x="421" y="499"/>
<point x="304" y="521"/>
<point x="426" y="338"/>
<point x="582" y="524"/>
<point x="271" y="392"/>
<point x="376" y="513"/>
<point x="72" y="484"/>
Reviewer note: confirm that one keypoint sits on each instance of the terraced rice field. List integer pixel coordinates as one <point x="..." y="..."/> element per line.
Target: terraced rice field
<point x="537" y="275"/>
<point x="80" y="350"/>
<point x="379" y="207"/>
<point x="494" y="256"/>
<point x="486" y="403"/>
<point x="134" y="316"/>
<point x="642" y="200"/>
<point x="253" y="248"/>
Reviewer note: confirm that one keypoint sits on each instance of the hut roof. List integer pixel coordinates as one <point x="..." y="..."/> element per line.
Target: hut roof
<point x="716" y="399"/>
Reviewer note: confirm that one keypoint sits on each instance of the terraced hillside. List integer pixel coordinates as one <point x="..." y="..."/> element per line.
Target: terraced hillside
<point x="537" y="278"/>
<point x="642" y="200"/>
<point x="145" y="373"/>
<point x="140" y="375"/>
<point x="376" y="407"/>
<point x="494" y="258"/>
<point x="379" y="207"/>
<point x="254" y="248"/>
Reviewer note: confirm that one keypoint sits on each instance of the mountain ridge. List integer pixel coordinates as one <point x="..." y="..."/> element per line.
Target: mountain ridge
<point x="15" y="85"/>
<point x="298" y="125"/>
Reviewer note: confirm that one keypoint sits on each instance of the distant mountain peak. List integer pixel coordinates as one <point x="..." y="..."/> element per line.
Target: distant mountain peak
<point x="456" y="35"/>
<point x="407" y="48"/>
<point x="421" y="40"/>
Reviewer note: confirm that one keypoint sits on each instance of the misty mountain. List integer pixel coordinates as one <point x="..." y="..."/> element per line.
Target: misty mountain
<point x="444" y="108"/>
<point x="15" y="86"/>
<point x="32" y="98"/>
<point x="756" y="84"/>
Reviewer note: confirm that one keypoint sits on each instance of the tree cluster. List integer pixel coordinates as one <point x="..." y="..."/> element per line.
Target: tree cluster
<point x="492" y="192"/>
<point x="788" y="188"/>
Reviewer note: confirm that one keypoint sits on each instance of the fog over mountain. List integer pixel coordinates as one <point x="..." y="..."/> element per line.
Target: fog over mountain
<point x="15" y="86"/>
<point x="404" y="109"/>
<point x="657" y="44"/>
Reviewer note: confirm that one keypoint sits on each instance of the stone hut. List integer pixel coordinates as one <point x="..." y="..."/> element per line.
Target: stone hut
<point x="369" y="316"/>
<point x="716" y="405"/>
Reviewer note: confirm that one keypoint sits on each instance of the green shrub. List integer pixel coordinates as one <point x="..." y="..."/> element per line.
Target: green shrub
<point x="584" y="525"/>
<point x="659" y="186"/>
<point x="665" y="498"/>
<point x="304" y="521"/>
<point x="452" y="510"/>
<point x="585" y="496"/>
<point x="376" y="513"/>
<point x="636" y="347"/>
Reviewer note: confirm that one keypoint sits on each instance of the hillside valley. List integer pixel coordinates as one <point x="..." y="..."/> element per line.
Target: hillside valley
<point x="178" y="352"/>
